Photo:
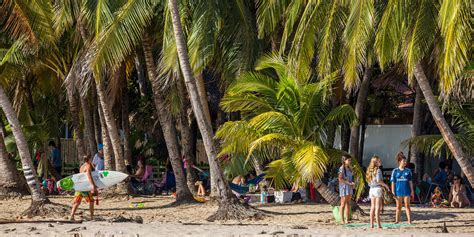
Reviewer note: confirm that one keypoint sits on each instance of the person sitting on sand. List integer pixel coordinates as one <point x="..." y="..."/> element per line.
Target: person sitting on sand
<point x="437" y="198"/>
<point x="201" y="191"/>
<point x="88" y="195"/>
<point x="458" y="196"/>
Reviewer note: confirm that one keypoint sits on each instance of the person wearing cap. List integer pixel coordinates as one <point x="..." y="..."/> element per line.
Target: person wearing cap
<point x="98" y="160"/>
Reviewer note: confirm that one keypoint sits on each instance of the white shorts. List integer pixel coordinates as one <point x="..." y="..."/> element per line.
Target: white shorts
<point x="376" y="192"/>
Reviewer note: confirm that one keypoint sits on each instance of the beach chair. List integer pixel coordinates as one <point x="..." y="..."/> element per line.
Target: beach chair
<point x="166" y="184"/>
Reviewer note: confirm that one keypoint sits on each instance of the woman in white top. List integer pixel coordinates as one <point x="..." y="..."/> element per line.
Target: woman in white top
<point x="375" y="180"/>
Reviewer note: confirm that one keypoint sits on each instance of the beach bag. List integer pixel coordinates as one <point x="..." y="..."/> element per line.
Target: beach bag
<point x="388" y="197"/>
<point x="337" y="214"/>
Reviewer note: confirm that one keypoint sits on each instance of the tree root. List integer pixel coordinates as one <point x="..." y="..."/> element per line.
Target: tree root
<point x="46" y="209"/>
<point x="234" y="210"/>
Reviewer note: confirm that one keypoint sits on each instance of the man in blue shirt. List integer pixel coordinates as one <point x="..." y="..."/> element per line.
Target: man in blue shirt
<point x="55" y="157"/>
<point x="98" y="160"/>
<point x="441" y="176"/>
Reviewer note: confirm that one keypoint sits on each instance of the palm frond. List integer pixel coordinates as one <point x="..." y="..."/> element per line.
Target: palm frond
<point x="310" y="161"/>
<point x="269" y="14"/>
<point x="357" y="34"/>
<point x="420" y="36"/>
<point x="455" y="23"/>
<point x="121" y="37"/>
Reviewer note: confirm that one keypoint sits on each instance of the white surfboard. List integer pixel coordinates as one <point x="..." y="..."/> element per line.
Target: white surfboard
<point x="102" y="179"/>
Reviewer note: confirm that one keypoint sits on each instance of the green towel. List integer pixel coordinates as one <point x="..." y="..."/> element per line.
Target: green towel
<point x="337" y="216"/>
<point x="384" y="225"/>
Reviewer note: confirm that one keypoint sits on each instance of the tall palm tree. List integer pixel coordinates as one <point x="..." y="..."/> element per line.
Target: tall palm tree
<point x="229" y="206"/>
<point x="412" y="31"/>
<point x="40" y="204"/>
<point x="183" y="194"/>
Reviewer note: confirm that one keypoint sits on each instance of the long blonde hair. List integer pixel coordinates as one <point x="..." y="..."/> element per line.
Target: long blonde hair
<point x="372" y="169"/>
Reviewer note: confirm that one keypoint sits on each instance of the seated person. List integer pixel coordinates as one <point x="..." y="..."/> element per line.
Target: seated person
<point x="239" y="180"/>
<point x="441" y="176"/>
<point x="437" y="198"/>
<point x="458" y="196"/>
<point x="136" y="178"/>
<point x="201" y="191"/>
<point x="296" y="195"/>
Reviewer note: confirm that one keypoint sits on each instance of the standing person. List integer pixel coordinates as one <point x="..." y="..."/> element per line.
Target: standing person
<point x="346" y="184"/>
<point x="85" y="168"/>
<point x="98" y="160"/>
<point x="55" y="157"/>
<point x="375" y="180"/>
<point x="402" y="187"/>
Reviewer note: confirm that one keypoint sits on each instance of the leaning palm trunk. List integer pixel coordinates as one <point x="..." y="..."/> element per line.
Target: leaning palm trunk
<point x="74" y="109"/>
<point x="122" y="188"/>
<point x="415" y="155"/>
<point x="333" y="199"/>
<point x="442" y="125"/>
<point x="183" y="194"/>
<point x="229" y="206"/>
<point x="11" y="183"/>
<point x="360" y="112"/>
<point x="40" y="204"/>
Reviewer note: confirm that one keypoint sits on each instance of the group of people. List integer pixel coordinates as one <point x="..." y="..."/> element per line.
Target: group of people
<point x="402" y="188"/>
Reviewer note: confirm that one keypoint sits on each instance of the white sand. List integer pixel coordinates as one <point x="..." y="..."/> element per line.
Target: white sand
<point x="286" y="220"/>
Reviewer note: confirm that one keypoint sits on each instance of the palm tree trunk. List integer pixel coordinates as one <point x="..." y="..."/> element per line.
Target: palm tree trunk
<point x="183" y="194"/>
<point x="415" y="155"/>
<point x="96" y="117"/>
<point x="74" y="110"/>
<point x="108" y="158"/>
<point x="332" y="198"/>
<point x="203" y="96"/>
<point x="88" y="126"/>
<point x="11" y="183"/>
<point x="127" y="152"/>
<point x="360" y="112"/>
<point x="141" y="73"/>
<point x="39" y="202"/>
<point x="122" y="188"/>
<point x="188" y="137"/>
<point x="443" y="126"/>
<point x="229" y="206"/>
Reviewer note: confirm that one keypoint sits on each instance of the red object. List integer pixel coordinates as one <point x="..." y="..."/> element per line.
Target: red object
<point x="312" y="192"/>
<point x="97" y="199"/>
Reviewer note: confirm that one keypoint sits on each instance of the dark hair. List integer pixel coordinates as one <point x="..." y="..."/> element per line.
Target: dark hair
<point x="86" y="158"/>
<point x="412" y="166"/>
<point x="400" y="157"/>
<point x="52" y="143"/>
<point x="458" y="176"/>
<point x="344" y="158"/>
<point x="442" y="165"/>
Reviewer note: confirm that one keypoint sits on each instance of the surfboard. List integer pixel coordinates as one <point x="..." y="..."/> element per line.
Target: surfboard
<point x="102" y="179"/>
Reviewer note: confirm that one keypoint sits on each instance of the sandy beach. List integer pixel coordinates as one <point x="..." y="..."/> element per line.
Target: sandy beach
<point x="189" y="220"/>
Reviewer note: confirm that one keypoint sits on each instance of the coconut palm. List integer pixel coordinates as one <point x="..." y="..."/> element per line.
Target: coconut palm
<point x="413" y="31"/>
<point x="285" y="122"/>
<point x="229" y="206"/>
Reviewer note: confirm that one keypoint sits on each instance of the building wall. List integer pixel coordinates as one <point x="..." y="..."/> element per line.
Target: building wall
<point x="383" y="141"/>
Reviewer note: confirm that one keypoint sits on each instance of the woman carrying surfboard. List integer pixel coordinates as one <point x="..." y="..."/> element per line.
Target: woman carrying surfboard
<point x="87" y="195"/>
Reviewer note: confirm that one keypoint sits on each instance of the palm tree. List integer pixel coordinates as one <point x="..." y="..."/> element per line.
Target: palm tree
<point x="183" y="194"/>
<point x="11" y="183"/>
<point x="425" y="29"/>
<point x="229" y="206"/>
<point x="285" y="122"/>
